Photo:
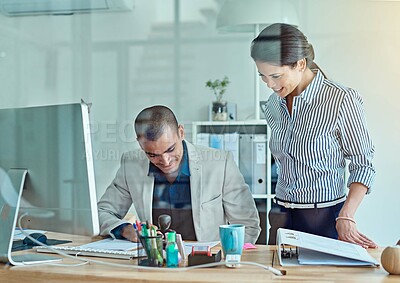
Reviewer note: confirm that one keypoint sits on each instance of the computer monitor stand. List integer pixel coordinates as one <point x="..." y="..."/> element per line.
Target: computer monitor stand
<point x="11" y="187"/>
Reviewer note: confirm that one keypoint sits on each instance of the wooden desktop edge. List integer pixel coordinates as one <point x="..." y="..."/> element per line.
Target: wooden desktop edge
<point x="263" y="254"/>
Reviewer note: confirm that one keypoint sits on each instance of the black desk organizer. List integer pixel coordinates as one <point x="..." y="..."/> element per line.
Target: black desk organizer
<point x="154" y="255"/>
<point x="203" y="259"/>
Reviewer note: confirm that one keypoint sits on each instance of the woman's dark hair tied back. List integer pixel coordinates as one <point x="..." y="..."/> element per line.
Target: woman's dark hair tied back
<point x="282" y="44"/>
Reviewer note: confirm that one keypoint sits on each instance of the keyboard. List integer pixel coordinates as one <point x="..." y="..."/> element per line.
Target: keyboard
<point x="79" y="251"/>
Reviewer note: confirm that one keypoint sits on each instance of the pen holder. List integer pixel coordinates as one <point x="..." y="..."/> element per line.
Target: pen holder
<point x="153" y="246"/>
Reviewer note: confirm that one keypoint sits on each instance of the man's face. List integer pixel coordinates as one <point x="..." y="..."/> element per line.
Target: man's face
<point x="166" y="152"/>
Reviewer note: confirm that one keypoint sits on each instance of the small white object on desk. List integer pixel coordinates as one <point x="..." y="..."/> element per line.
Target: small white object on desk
<point x="232" y="260"/>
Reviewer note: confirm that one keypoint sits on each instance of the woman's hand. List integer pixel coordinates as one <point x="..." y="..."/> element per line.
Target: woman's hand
<point x="346" y="225"/>
<point x="347" y="231"/>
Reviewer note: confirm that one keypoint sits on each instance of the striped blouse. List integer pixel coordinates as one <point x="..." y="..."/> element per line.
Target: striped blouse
<point x="311" y="146"/>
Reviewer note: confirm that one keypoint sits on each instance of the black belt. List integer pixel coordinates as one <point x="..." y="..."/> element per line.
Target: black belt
<point x="309" y="205"/>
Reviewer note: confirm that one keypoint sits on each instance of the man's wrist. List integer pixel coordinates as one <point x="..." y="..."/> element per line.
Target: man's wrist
<point x="128" y="232"/>
<point x="118" y="231"/>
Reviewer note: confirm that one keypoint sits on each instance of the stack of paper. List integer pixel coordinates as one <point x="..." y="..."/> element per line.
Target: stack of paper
<point x="113" y="244"/>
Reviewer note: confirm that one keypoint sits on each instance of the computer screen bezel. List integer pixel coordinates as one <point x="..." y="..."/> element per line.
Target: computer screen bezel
<point x="84" y="218"/>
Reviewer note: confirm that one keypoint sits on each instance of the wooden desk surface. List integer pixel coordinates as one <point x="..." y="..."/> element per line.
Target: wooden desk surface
<point x="94" y="272"/>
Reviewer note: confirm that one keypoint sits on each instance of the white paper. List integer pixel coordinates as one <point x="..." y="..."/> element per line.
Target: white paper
<point x="113" y="244"/>
<point x="321" y="248"/>
<point x="310" y="257"/>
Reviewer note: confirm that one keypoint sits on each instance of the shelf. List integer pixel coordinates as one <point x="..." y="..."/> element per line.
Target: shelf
<point x="227" y="123"/>
<point x="214" y="127"/>
<point x="251" y="146"/>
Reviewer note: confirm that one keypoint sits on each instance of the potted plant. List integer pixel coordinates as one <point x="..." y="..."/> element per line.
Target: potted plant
<point x="219" y="106"/>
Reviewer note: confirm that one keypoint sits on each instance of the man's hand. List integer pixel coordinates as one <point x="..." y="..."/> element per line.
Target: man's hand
<point x="129" y="233"/>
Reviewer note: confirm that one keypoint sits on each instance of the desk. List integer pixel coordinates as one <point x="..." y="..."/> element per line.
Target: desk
<point x="263" y="254"/>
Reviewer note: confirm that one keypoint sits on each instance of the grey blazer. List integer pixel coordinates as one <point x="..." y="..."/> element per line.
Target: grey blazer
<point x="219" y="194"/>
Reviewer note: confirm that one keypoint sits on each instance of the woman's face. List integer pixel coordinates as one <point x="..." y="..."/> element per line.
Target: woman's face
<point x="283" y="80"/>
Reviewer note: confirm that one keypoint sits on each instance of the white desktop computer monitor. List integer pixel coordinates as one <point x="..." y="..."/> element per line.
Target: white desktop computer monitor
<point x="54" y="144"/>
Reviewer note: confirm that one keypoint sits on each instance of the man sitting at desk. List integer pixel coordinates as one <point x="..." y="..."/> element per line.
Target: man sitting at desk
<point x="199" y="187"/>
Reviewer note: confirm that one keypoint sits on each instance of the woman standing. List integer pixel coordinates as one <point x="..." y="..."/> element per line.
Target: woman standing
<point x="316" y="125"/>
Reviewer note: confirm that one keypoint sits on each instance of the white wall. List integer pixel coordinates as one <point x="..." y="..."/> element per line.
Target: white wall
<point x="123" y="62"/>
<point x="357" y="44"/>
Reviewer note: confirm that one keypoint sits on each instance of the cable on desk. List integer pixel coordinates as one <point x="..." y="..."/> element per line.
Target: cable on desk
<point x="69" y="265"/>
<point x="269" y="268"/>
<point x="180" y="269"/>
<point x="83" y="260"/>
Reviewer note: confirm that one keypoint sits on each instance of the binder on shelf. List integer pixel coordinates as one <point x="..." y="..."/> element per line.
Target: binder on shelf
<point x="203" y="139"/>
<point x="252" y="162"/>
<point x="231" y="143"/>
<point x="217" y="141"/>
<point x="299" y="248"/>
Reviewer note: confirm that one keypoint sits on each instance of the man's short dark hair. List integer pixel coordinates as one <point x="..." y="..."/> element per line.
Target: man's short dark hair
<point x="153" y="121"/>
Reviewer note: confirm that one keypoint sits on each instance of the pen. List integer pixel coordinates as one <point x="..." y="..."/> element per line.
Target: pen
<point x="154" y="248"/>
<point x="136" y="230"/>
<point x="139" y="227"/>
<point x="145" y="240"/>
<point x="148" y="227"/>
<point x="153" y="231"/>
<point x="144" y="230"/>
